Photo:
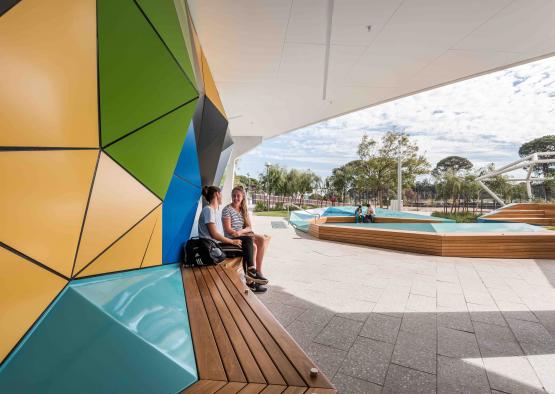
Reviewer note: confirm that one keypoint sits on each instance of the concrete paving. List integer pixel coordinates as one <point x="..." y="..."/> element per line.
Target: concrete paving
<point x="376" y="320"/>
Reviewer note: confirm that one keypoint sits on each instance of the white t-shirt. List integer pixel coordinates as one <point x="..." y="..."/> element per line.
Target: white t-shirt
<point x="207" y="215"/>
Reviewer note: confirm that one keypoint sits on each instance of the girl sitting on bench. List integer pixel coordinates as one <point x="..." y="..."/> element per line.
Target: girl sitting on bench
<point x="207" y="228"/>
<point x="236" y="222"/>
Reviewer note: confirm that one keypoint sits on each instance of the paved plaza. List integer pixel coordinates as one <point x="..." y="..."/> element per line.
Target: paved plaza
<point x="376" y="320"/>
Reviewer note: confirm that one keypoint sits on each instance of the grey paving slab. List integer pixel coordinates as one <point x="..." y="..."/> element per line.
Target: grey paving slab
<point x="424" y="324"/>
<point x="512" y="375"/>
<point x="346" y="384"/>
<point x="415" y="351"/>
<point x="405" y="380"/>
<point x="455" y="320"/>
<point x="513" y="310"/>
<point x="496" y="341"/>
<point x="381" y="327"/>
<point x="327" y="358"/>
<point x="285" y="314"/>
<point x="453" y="343"/>
<point x="486" y="314"/>
<point x="420" y="303"/>
<point x="339" y="333"/>
<point x="544" y="364"/>
<point x="368" y="360"/>
<point x="304" y="332"/>
<point x="458" y="376"/>
<point x="533" y="337"/>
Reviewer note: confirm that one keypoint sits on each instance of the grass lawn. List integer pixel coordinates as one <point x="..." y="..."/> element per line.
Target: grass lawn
<point x="276" y="214"/>
<point x="552" y="228"/>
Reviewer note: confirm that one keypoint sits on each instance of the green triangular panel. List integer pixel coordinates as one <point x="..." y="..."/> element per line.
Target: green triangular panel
<point x="151" y="153"/>
<point x="162" y="14"/>
<point x="139" y="79"/>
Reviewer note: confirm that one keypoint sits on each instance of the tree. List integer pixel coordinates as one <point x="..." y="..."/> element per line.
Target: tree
<point x="547" y="170"/>
<point x="452" y="163"/>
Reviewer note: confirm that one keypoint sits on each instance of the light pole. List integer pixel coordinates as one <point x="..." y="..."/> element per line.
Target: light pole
<point x="268" y="183"/>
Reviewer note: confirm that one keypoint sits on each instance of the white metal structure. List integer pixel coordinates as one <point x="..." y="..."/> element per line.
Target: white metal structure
<point x="528" y="162"/>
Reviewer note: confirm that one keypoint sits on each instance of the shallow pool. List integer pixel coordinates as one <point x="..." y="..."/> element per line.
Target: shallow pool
<point x="449" y="227"/>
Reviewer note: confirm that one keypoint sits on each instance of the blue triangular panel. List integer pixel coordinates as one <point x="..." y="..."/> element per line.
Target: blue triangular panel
<point x="178" y="215"/>
<point x="126" y="332"/>
<point x="187" y="166"/>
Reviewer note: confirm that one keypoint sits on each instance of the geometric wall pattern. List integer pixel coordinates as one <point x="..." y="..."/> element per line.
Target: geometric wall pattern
<point x="131" y="335"/>
<point x="110" y="123"/>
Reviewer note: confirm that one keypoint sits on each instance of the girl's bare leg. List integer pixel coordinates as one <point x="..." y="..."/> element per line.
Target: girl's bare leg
<point x="261" y="242"/>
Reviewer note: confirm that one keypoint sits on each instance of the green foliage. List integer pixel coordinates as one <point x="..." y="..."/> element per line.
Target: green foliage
<point x="279" y="181"/>
<point x="454" y="164"/>
<point x="376" y="168"/>
<point x="260" y="206"/>
<point x="459" y="217"/>
<point x="278" y="214"/>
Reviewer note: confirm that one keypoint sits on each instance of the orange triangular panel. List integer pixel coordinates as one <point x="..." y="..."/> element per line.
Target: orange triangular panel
<point x="25" y="291"/>
<point x="118" y="202"/>
<point x="48" y="74"/>
<point x="210" y="87"/>
<point x="153" y="255"/>
<point x="43" y="201"/>
<point x="128" y="252"/>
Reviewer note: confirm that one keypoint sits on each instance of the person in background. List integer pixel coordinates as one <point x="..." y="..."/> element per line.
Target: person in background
<point x="237" y="224"/>
<point x="370" y="215"/>
<point x="207" y="228"/>
<point x="358" y="214"/>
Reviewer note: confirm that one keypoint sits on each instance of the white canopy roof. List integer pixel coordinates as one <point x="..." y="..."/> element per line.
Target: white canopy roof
<point x="283" y="64"/>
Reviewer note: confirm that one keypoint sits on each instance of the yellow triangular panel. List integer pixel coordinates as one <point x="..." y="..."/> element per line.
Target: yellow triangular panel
<point x="42" y="202"/>
<point x="153" y="254"/>
<point x="48" y="74"/>
<point x="118" y="202"/>
<point x="210" y="87"/>
<point x="25" y="291"/>
<point x="128" y="252"/>
<point x="196" y="56"/>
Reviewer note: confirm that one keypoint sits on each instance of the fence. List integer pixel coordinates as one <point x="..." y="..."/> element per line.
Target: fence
<point x="273" y="200"/>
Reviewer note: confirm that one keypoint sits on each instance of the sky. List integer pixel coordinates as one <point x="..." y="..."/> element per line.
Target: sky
<point x="485" y="119"/>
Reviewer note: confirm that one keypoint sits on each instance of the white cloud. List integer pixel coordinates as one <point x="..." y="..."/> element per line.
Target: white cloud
<point x="485" y="119"/>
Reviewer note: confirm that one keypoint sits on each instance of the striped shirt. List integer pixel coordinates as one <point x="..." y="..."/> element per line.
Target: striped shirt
<point x="237" y="222"/>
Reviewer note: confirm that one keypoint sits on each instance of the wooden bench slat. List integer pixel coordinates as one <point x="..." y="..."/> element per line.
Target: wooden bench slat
<point x="297" y="357"/>
<point x="231" y="388"/>
<point x="279" y="358"/>
<point x="209" y="363"/>
<point x="295" y="390"/>
<point x="252" y="388"/>
<point x="229" y="358"/>
<point x="244" y="354"/>
<point x="264" y="361"/>
<point x="273" y="389"/>
<point x="204" y="387"/>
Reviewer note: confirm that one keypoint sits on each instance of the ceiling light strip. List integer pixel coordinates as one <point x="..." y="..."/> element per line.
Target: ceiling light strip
<point x="328" y="45"/>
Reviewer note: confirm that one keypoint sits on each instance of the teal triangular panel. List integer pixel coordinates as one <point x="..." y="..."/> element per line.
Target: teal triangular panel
<point x="125" y="332"/>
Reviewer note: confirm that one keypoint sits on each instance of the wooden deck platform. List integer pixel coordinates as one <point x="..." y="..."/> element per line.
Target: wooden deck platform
<point x="538" y="245"/>
<point x="239" y="346"/>
<point x="531" y="213"/>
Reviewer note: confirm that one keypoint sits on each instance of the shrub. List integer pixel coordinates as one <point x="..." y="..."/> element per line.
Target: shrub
<point x="260" y="206"/>
<point x="459" y="217"/>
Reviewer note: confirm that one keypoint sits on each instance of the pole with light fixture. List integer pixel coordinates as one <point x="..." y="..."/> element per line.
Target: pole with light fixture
<point x="268" y="183"/>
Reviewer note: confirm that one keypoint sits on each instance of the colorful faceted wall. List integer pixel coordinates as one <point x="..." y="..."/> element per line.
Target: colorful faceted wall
<point x="110" y="122"/>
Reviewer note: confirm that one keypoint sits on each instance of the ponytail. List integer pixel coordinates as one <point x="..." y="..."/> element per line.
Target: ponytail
<point x="209" y="192"/>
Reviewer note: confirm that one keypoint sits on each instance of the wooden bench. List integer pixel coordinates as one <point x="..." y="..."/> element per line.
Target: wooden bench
<point x="239" y="346"/>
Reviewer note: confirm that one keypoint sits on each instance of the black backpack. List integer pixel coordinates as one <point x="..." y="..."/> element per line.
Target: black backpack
<point x="200" y="252"/>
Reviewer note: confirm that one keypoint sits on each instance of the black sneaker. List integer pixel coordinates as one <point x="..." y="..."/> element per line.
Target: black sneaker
<point x="256" y="288"/>
<point x="252" y="275"/>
